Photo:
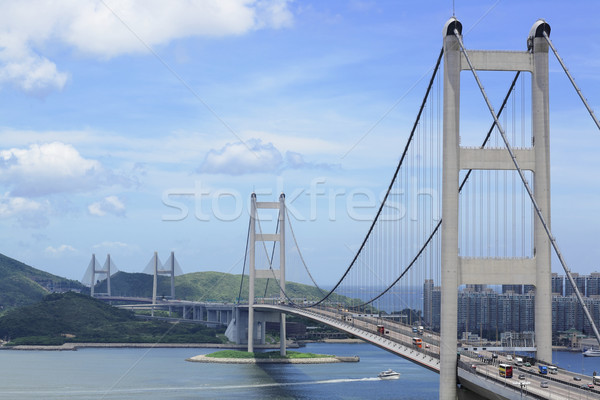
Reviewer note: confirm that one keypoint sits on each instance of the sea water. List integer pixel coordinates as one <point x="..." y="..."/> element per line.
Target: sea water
<point x="160" y="373"/>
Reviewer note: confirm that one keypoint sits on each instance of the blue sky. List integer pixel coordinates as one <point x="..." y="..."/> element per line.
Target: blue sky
<point x="125" y="126"/>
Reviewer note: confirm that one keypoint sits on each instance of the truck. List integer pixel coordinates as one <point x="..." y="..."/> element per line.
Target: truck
<point x="518" y="361"/>
<point x="543" y="370"/>
<point x="420" y="330"/>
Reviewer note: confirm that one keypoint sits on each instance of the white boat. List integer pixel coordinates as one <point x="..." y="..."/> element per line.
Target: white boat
<point x="389" y="374"/>
<point x="591" y="353"/>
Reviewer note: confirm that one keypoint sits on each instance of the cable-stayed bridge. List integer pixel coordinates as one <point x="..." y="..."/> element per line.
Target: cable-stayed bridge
<point x="468" y="208"/>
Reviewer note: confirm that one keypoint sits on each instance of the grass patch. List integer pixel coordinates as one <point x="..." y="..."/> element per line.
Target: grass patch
<point x="264" y="355"/>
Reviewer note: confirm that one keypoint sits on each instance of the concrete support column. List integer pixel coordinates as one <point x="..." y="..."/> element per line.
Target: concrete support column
<point x="172" y="275"/>
<point x="540" y="121"/>
<point x="108" y="275"/>
<point x="282" y="330"/>
<point x="155" y="284"/>
<point x="93" y="275"/>
<point x="252" y="273"/>
<point x="449" y="251"/>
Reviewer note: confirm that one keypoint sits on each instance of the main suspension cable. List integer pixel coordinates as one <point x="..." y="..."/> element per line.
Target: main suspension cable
<point x="463" y="183"/>
<point x="287" y="215"/>
<point x="412" y="133"/>
<point x="244" y="266"/>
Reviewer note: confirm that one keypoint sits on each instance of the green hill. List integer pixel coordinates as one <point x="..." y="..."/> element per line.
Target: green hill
<point x="73" y="317"/>
<point x="21" y="284"/>
<point x="205" y="286"/>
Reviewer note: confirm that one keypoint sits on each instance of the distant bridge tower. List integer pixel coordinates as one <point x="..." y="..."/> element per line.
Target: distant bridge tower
<point x="266" y="273"/>
<point x="105" y="270"/>
<point x="159" y="269"/>
<point x="455" y="269"/>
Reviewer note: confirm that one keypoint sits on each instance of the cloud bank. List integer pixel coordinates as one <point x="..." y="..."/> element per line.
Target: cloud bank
<point x="50" y="168"/>
<point x="109" y="28"/>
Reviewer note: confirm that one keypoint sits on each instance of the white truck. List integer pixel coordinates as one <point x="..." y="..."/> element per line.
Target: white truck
<point x="518" y="361"/>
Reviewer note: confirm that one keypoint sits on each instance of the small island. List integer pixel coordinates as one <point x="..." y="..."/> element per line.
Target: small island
<point x="270" y="357"/>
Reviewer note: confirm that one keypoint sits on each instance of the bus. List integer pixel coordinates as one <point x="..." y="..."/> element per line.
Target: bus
<point x="417" y="342"/>
<point x="505" y="370"/>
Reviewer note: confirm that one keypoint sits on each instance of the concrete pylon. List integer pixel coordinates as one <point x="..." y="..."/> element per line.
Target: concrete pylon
<point x="159" y="269"/>
<point x="266" y="273"/>
<point x="101" y="271"/>
<point x="463" y="271"/>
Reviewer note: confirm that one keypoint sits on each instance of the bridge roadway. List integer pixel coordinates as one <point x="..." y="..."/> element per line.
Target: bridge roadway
<point x="397" y="339"/>
<point x="473" y="373"/>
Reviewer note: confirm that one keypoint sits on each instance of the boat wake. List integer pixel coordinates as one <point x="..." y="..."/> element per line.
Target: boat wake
<point x="65" y="393"/>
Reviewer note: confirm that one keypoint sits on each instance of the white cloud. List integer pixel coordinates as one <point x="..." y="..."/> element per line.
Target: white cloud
<point x="243" y="158"/>
<point x="111" y="28"/>
<point x="63" y="248"/>
<point x="33" y="74"/>
<point x="51" y="168"/>
<point x="111" y="245"/>
<point x="29" y="213"/>
<point x="254" y="156"/>
<point x="14" y="206"/>
<point x="109" y="205"/>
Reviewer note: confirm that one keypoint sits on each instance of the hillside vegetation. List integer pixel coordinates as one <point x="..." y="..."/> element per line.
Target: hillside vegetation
<point x="21" y="284"/>
<point x="73" y="317"/>
<point x="205" y="286"/>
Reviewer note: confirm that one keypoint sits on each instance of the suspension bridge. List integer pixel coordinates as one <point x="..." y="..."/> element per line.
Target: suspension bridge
<point x="466" y="209"/>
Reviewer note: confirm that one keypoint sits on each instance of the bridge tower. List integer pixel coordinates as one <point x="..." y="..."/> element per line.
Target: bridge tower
<point x="105" y="270"/>
<point x="159" y="269"/>
<point x="457" y="270"/>
<point x="266" y="273"/>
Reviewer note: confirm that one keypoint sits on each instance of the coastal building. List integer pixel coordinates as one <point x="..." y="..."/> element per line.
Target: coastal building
<point x="558" y="282"/>
<point x="488" y="313"/>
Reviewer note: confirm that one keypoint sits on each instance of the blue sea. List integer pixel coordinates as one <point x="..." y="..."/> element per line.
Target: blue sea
<point x="160" y="373"/>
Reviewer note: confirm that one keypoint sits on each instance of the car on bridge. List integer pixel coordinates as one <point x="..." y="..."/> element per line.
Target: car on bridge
<point x="544" y="384"/>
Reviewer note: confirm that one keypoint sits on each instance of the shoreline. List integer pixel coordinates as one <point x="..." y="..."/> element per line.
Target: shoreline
<point x="76" y="346"/>
<point x="316" y="360"/>
<point x="72" y="346"/>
